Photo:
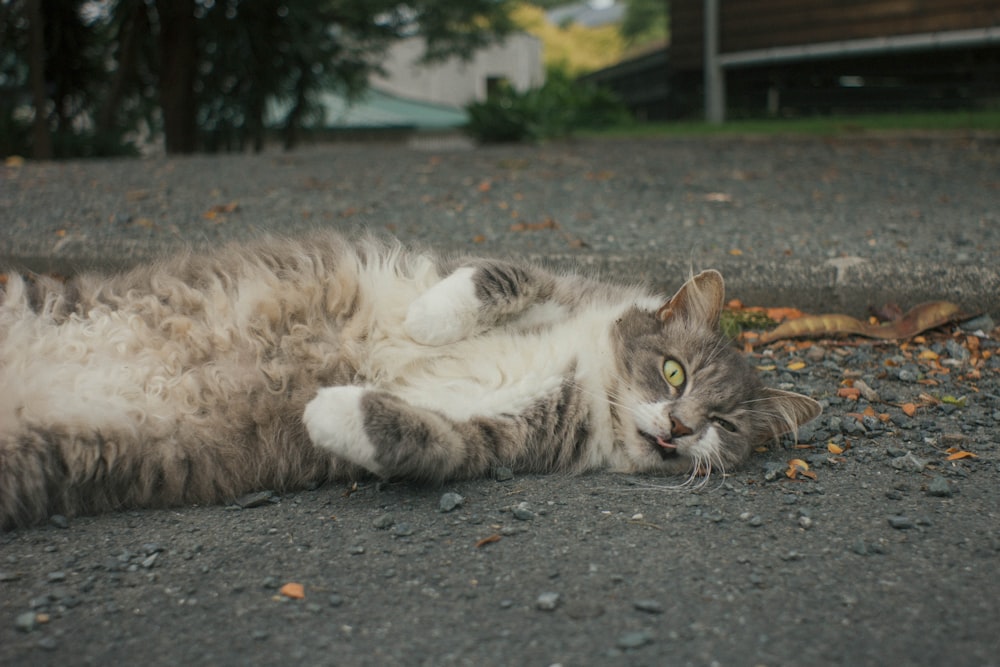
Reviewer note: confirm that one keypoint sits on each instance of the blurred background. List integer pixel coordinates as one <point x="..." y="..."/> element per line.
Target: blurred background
<point x="82" y="78"/>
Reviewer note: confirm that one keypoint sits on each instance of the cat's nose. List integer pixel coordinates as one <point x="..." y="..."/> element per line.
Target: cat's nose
<point x="678" y="428"/>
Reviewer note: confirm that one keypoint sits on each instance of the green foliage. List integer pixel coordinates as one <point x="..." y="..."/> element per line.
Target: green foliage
<point x="559" y="108"/>
<point x="645" y="21"/>
<point x="106" y="76"/>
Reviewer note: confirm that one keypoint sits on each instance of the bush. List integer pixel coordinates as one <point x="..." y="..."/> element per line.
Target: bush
<point x="557" y="109"/>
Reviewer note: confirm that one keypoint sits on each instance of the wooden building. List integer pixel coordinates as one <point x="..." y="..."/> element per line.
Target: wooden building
<point x="787" y="56"/>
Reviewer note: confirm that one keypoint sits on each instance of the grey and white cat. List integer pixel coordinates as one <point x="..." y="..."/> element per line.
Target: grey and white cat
<point x="284" y="363"/>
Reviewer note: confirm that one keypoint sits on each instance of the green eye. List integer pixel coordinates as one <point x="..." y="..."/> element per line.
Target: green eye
<point x="673" y="373"/>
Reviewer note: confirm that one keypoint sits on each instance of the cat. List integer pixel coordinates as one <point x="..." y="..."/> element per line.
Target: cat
<point x="286" y="362"/>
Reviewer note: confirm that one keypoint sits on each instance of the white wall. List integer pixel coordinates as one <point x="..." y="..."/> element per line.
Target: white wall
<point x="455" y="82"/>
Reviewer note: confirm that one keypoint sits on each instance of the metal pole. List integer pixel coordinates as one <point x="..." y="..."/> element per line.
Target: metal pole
<point x="715" y="82"/>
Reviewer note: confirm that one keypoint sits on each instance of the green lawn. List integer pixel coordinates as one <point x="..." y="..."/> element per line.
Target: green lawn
<point x="818" y="125"/>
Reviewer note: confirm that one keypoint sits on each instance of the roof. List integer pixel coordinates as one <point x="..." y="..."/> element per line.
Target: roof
<point x="379" y="109"/>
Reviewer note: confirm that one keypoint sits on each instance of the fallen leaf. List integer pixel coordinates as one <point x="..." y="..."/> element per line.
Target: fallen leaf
<point x="14" y="161"/>
<point x="495" y="537"/>
<point x="956" y="454"/>
<point x="850" y="393"/>
<point x="293" y="590"/>
<point x="835" y="449"/>
<point x="951" y="400"/>
<point x="735" y="252"/>
<point x="798" y="467"/>
<point x="718" y="197"/>
<point x="909" y="409"/>
<point x="485" y="186"/>
<point x="796" y="365"/>
<point x="920" y="318"/>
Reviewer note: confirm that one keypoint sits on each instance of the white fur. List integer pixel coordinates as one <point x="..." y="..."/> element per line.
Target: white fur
<point x="446" y="312"/>
<point x="335" y="421"/>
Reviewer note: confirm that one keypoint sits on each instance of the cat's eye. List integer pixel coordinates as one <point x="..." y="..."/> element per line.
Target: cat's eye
<point x="726" y="425"/>
<point x="673" y="373"/>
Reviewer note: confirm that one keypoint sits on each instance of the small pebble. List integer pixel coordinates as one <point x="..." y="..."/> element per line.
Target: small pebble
<point x="255" y="499"/>
<point x="805" y="522"/>
<point x="648" y="606"/>
<point x="547" y="601"/>
<point x="503" y="474"/>
<point x="59" y="521"/>
<point x="522" y="513"/>
<point x="402" y="530"/>
<point x="900" y="522"/>
<point x="940" y="487"/>
<point x="633" y="640"/>
<point x="383" y="521"/>
<point x="26" y="622"/>
<point x="450" y="501"/>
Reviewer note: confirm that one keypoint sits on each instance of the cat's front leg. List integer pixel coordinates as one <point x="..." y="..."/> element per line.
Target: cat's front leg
<point x="472" y="299"/>
<point x="447" y="312"/>
<point x="335" y="421"/>
<point x="389" y="437"/>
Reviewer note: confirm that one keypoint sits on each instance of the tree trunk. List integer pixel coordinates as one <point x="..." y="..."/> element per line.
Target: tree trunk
<point x="41" y="139"/>
<point x="178" y="67"/>
<point x="134" y="27"/>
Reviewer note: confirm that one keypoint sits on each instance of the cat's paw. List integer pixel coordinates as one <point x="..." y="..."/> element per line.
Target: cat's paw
<point x="446" y="313"/>
<point x="335" y="421"/>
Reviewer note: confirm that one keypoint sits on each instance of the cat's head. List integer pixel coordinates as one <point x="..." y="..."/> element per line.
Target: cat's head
<point x="687" y="401"/>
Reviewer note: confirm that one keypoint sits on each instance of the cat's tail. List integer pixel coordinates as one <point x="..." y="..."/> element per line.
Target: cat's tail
<point x="31" y="474"/>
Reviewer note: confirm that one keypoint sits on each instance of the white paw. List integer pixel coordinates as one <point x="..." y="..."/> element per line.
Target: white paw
<point x="445" y="313"/>
<point x="335" y="421"/>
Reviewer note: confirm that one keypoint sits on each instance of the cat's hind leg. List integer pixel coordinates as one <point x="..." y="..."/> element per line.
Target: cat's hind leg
<point x="392" y="438"/>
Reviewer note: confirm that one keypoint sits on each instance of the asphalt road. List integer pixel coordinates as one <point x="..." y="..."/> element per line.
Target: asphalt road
<point x="890" y="555"/>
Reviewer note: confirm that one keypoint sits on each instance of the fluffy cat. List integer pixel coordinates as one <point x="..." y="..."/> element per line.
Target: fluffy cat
<point x="284" y="363"/>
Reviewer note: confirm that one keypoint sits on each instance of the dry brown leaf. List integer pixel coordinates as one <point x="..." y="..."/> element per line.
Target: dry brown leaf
<point x="918" y="319"/>
<point x="495" y="537"/>
<point x="909" y="409"/>
<point x="954" y="454"/>
<point x="293" y="590"/>
<point x="835" y="449"/>
<point x="850" y="393"/>
<point x="799" y="468"/>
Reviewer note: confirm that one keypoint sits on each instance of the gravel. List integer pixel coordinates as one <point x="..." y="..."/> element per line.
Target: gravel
<point x="894" y="544"/>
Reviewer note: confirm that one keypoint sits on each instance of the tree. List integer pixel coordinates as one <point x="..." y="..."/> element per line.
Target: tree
<point x="223" y="62"/>
<point x="204" y="71"/>
<point x="645" y="21"/>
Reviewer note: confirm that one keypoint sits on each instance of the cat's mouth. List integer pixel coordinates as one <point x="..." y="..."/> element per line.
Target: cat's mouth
<point x="666" y="449"/>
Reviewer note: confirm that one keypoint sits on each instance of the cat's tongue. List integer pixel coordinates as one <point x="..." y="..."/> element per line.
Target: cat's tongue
<point x="663" y="443"/>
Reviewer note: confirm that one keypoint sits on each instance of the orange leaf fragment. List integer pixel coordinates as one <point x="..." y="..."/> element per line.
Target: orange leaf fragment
<point x="798" y="467"/>
<point x="834" y="448"/>
<point x="850" y="393"/>
<point x="909" y="409"/>
<point x="956" y="454"/>
<point x="485" y="186"/>
<point x="293" y="590"/>
<point x="928" y="355"/>
<point x="495" y="537"/>
<point x="782" y="314"/>
<point x="796" y="365"/>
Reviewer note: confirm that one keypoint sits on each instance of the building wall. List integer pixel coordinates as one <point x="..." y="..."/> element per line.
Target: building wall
<point x="456" y="82"/>
<point x="758" y="24"/>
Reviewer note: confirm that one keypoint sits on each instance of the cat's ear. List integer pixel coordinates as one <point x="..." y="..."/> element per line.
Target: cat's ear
<point x="781" y="412"/>
<point x="700" y="299"/>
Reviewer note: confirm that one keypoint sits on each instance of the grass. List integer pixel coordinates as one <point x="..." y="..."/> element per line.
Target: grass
<point x="815" y="125"/>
